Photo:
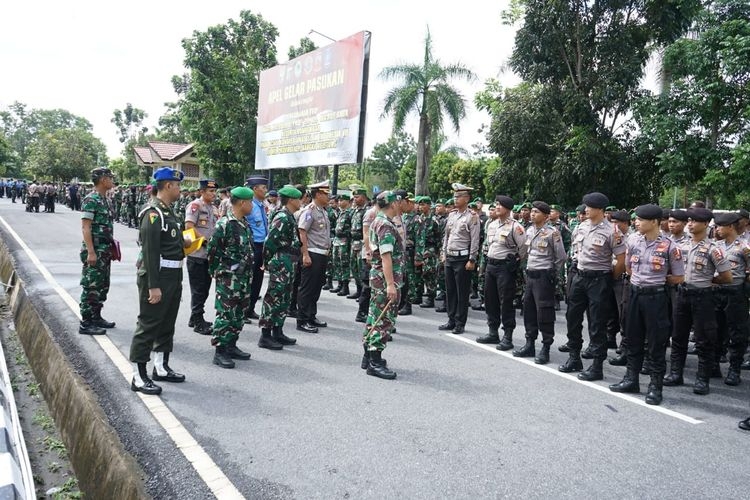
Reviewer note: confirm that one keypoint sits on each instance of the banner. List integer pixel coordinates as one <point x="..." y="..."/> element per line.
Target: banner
<point x="311" y="110"/>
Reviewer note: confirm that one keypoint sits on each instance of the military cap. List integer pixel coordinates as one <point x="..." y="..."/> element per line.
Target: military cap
<point x="596" y="200"/>
<point x="580" y="209"/>
<point x="620" y="215"/>
<point x="472" y="204"/>
<point x="744" y="214"/>
<point x="388" y="197"/>
<point x="425" y="199"/>
<point x="440" y="201"/>
<point x="648" y="212"/>
<point x="272" y="192"/>
<point x="678" y="214"/>
<point x="556" y="207"/>
<point x="700" y="214"/>
<point x="409" y="196"/>
<point x="168" y="174"/>
<point x="450" y="202"/>
<point x="506" y="202"/>
<point x="344" y="196"/>
<point x="726" y="219"/>
<point x="525" y="204"/>
<point x="400" y="194"/>
<point x="516" y="208"/>
<point x="457" y="187"/>
<point x="542" y="207"/>
<point x="611" y="208"/>
<point x="256" y="180"/>
<point x="290" y="191"/>
<point x="208" y="184"/>
<point x="665" y="213"/>
<point x="356" y="190"/>
<point x="100" y="172"/>
<point x="242" y="192"/>
<point x="478" y="199"/>
<point x="323" y="187"/>
<point x="492" y="206"/>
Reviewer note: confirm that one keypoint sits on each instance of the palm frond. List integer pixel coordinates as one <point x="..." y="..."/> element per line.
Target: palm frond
<point x="451" y="102"/>
<point x="399" y="71"/>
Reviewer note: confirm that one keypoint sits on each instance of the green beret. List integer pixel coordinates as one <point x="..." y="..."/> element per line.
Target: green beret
<point x="387" y="196"/>
<point x="358" y="190"/>
<point x="556" y="207"/>
<point x="440" y="201"/>
<point x="344" y="196"/>
<point x="572" y="214"/>
<point x="242" y="193"/>
<point x="290" y="191"/>
<point x="478" y="199"/>
<point x="611" y="209"/>
<point x="450" y="201"/>
<point x="424" y="199"/>
<point x="473" y="204"/>
<point x="526" y="204"/>
<point x="516" y="208"/>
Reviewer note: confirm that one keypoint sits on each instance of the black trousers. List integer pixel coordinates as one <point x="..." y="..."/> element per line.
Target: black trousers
<point x="295" y="286"/>
<point x="364" y="298"/>
<point x="457" y="285"/>
<point x="311" y="282"/>
<point x="732" y="321"/>
<point x="75" y="202"/>
<point x="200" y="284"/>
<point x="648" y="320"/>
<point x="589" y="291"/>
<point x="499" y="293"/>
<point x="539" y="305"/>
<point x="257" y="282"/>
<point x="696" y="310"/>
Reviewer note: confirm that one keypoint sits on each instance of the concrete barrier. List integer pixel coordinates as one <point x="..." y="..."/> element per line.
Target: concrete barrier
<point x="103" y="467"/>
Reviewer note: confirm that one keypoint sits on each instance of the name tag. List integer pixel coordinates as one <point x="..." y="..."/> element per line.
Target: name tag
<point x="543" y="244"/>
<point x="597" y="241"/>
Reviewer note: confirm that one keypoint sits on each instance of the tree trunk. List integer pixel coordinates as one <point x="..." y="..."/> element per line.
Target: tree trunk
<point x="423" y="157"/>
<point x="321" y="174"/>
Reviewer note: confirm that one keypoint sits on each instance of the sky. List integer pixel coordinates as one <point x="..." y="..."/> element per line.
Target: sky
<point x="92" y="57"/>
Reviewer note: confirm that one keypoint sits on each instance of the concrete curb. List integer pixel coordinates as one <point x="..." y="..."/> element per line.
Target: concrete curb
<point x="103" y="467"/>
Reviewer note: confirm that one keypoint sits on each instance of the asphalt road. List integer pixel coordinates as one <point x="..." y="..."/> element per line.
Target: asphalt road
<point x="459" y="422"/>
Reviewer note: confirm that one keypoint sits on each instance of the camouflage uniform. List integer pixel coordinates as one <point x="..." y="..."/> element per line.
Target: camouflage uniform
<point x="384" y="238"/>
<point x="441" y="220"/>
<point x="426" y="251"/>
<point x="355" y="257"/>
<point x="342" y="246"/>
<point x="566" y="233"/>
<point x="95" y="279"/>
<point x="413" y="281"/>
<point x="230" y="262"/>
<point x="281" y="257"/>
<point x="332" y="218"/>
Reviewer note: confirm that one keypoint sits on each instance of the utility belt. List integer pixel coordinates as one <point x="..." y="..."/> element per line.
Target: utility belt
<point x="170" y="264"/>
<point x="688" y="291"/>
<point x="540" y="273"/>
<point x="730" y="289"/>
<point x="457" y="253"/>
<point x="648" y="290"/>
<point x="593" y="274"/>
<point x="500" y="262"/>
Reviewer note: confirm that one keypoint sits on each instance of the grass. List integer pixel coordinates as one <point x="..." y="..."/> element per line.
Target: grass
<point x="43" y="420"/>
<point x="69" y="490"/>
<point x="33" y="388"/>
<point x="53" y="467"/>
<point x="54" y="444"/>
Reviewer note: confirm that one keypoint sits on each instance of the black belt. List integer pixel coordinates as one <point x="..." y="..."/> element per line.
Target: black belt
<point x="498" y="262"/>
<point x="648" y="290"/>
<point x="540" y="273"/>
<point x="730" y="290"/>
<point x="694" y="292"/>
<point x="593" y="274"/>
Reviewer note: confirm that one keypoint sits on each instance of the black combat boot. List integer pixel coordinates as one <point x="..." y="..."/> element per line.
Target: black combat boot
<point x="543" y="357"/>
<point x="586" y="353"/>
<point x="629" y="383"/>
<point x="745" y="365"/>
<point x="221" y="357"/>
<point x="440" y="296"/>
<point x="506" y="344"/>
<point x="733" y="375"/>
<point x="329" y="284"/>
<point x="406" y="310"/>
<point x="441" y="309"/>
<point x="593" y="372"/>
<point x="97" y="320"/>
<point x="378" y="368"/>
<point x="266" y="341"/>
<point x="278" y="336"/>
<point x="573" y="363"/>
<point x="235" y="352"/>
<point x="612" y="340"/>
<point x="427" y="303"/>
<point x="365" y="358"/>
<point x="527" y="351"/>
<point x="701" y="385"/>
<point x="654" y="389"/>
<point x="202" y="326"/>
<point x="335" y="289"/>
<point x="87" y="327"/>
<point x="344" y="289"/>
<point x="716" y="370"/>
<point x="361" y="316"/>
<point x="564" y="347"/>
<point x="492" y="337"/>
<point x="162" y="371"/>
<point x="356" y="293"/>
<point x="675" y="373"/>
<point x="619" y="360"/>
<point x="141" y="382"/>
<point x="193" y="320"/>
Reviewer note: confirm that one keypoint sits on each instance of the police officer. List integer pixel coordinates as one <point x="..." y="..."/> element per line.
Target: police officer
<point x="460" y="250"/>
<point x="159" y="281"/>
<point x="506" y="247"/>
<point x="258" y="221"/>
<point x="201" y="215"/>
<point x="597" y="244"/>
<point x="315" y="236"/>
<point x="96" y="253"/>
<point x="546" y="256"/>
<point x="695" y="306"/>
<point x="652" y="261"/>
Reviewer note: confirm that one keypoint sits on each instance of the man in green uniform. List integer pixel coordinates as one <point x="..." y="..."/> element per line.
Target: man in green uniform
<point x="230" y="262"/>
<point x="356" y="257"/>
<point x="159" y="281"/>
<point x="426" y="250"/>
<point x="342" y="247"/>
<point x="281" y="257"/>
<point x="333" y="214"/>
<point x="386" y="276"/>
<point x="408" y="227"/>
<point x="96" y="253"/>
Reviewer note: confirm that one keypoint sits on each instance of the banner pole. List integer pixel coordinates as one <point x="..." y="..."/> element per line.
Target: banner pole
<point x="335" y="180"/>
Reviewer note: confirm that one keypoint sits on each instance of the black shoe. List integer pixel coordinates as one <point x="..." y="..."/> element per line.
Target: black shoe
<point x="458" y="330"/>
<point x="360" y="317"/>
<point x="621" y="360"/>
<point x="733" y="377"/>
<point x="406" y="310"/>
<point x="427" y="303"/>
<point x="564" y="348"/>
<point x="221" y="358"/>
<point x="356" y="293"/>
<point x="235" y="352"/>
<point x="506" y="343"/>
<point x="102" y="323"/>
<point x="441" y="309"/>
<point x="654" y="396"/>
<point x="674" y="378"/>
<point x="252" y="315"/>
<point x="478" y="307"/>
<point x="292" y="313"/>
<point x="701" y="386"/>
<point x="278" y="336"/>
<point x="723" y="359"/>
<point x="587" y="354"/>
<point x="318" y="323"/>
<point x="248" y="321"/>
<point x="266" y="341"/>
<point x="344" y="290"/>
<point x="593" y="372"/>
<point x="474" y="295"/>
<point x="543" y="357"/>
<point x="203" y="327"/>
<point x="141" y="383"/>
<point x="692" y="350"/>
<point x="171" y="375"/>
<point x="447" y="326"/>
<point x="573" y="363"/>
<point x="328" y="285"/>
<point x="307" y="327"/>
<point x="745" y="365"/>
<point x="629" y="384"/>
<point x="335" y="289"/>
<point x="88" y="328"/>
<point x="744" y="424"/>
<point x="527" y="351"/>
<point x="490" y="338"/>
<point x="440" y="296"/>
<point x="557" y="306"/>
<point x="378" y="368"/>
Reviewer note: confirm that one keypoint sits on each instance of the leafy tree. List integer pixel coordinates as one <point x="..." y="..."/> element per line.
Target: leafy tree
<point x="64" y="154"/>
<point x="389" y="157"/>
<point x="170" y="127"/>
<point x="129" y="122"/>
<point x="305" y="45"/>
<point x="425" y="89"/>
<point x="7" y="160"/>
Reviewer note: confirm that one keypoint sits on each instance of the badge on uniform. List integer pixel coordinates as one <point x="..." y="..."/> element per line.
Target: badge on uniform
<point x="203" y="222"/>
<point x="173" y="233"/>
<point x="152" y="217"/>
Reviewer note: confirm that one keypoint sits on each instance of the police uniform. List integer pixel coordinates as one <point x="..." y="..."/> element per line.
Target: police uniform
<point x="258" y="222"/>
<point x="203" y="216"/>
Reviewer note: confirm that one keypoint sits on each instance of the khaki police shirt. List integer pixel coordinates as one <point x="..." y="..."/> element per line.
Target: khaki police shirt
<point x="204" y="216"/>
<point x="504" y="238"/>
<point x="461" y="233"/>
<point x="650" y="262"/>
<point x="314" y="221"/>
<point x="738" y="255"/>
<point x="704" y="259"/>
<point x="595" y="245"/>
<point x="545" y="249"/>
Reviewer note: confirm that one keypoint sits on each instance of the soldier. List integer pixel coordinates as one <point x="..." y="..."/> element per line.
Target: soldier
<point x="653" y="261"/>
<point x="597" y="243"/>
<point x="364" y="298"/>
<point x="408" y="226"/>
<point x="342" y="247"/>
<point x="441" y="216"/>
<point x="281" y="257"/>
<point x="333" y="214"/>
<point x="315" y="236"/>
<point x="385" y="281"/>
<point x="426" y="251"/>
<point x="201" y="215"/>
<point x="132" y="202"/>
<point x="694" y="306"/>
<point x="258" y="221"/>
<point x="476" y="206"/>
<point x="677" y="221"/>
<point x="546" y="255"/>
<point x="460" y="250"/>
<point x="565" y="232"/>
<point x="505" y="249"/>
<point x="731" y="301"/>
<point x="96" y="254"/>
<point x="159" y="284"/>
<point x="356" y="258"/>
<point x="479" y="306"/>
<point x="230" y="262"/>
<point x="50" y="198"/>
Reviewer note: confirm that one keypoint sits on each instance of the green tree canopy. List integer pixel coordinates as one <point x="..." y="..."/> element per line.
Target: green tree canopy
<point x="64" y="154"/>
<point x="387" y="158"/>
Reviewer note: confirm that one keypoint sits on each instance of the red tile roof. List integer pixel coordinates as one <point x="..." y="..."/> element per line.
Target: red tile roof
<point x="169" y="150"/>
<point x="144" y="154"/>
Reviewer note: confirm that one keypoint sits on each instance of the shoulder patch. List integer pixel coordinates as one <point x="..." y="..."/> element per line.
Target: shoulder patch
<point x="152" y="216"/>
<point x="519" y="229"/>
<point x="717" y="253"/>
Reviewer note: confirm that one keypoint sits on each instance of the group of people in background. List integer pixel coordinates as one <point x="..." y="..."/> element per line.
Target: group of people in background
<point x="43" y="195"/>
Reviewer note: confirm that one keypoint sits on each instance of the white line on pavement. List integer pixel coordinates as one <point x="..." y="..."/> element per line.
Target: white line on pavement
<point x="206" y="468"/>
<point x="572" y="378"/>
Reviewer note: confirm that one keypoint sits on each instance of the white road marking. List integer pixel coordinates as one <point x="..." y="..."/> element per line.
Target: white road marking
<point x="210" y="473"/>
<point x="574" y="378"/>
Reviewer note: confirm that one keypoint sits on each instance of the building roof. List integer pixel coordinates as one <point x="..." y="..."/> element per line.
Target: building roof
<point x="169" y="150"/>
<point x="144" y="154"/>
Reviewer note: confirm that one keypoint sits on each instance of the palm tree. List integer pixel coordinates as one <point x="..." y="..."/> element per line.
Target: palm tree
<point x="425" y="89"/>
